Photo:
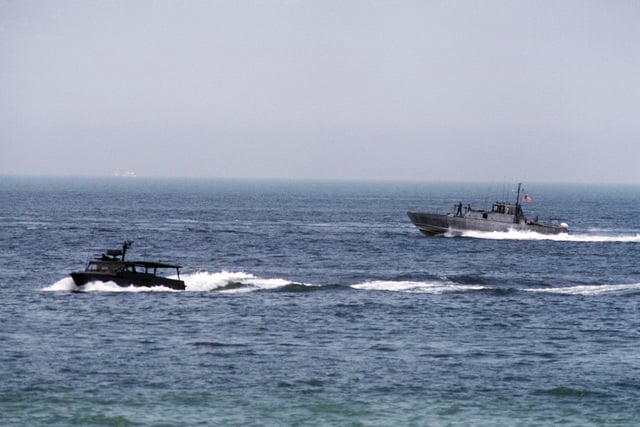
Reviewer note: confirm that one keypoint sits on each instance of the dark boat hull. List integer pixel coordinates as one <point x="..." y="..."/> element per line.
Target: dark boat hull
<point x="433" y="224"/>
<point x="127" y="279"/>
<point x="430" y="224"/>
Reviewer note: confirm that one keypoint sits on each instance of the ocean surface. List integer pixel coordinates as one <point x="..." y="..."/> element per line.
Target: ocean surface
<point x="317" y="304"/>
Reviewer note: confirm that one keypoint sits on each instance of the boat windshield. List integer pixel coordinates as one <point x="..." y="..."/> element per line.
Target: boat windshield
<point x="141" y="269"/>
<point x="503" y="209"/>
<point x="101" y="267"/>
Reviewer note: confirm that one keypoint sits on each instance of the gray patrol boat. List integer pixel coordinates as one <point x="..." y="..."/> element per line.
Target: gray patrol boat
<point x="502" y="217"/>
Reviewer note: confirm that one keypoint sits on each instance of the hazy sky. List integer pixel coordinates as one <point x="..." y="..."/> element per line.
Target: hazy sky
<point x="386" y="90"/>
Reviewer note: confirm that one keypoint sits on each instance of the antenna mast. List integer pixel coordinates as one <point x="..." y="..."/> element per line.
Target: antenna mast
<point x="516" y="219"/>
<point x="125" y="245"/>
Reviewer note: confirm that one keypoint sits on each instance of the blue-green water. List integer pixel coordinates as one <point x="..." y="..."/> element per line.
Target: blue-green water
<point x="316" y="303"/>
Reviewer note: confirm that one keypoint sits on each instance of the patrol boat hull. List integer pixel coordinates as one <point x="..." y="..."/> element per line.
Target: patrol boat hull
<point x="501" y="217"/>
<point x="127" y="279"/>
<point x="432" y="224"/>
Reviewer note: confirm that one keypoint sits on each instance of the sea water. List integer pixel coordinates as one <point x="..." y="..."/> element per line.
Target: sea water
<point x="317" y="303"/>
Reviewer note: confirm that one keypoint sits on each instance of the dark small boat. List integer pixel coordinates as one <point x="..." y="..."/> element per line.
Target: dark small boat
<point x="502" y="217"/>
<point x="112" y="267"/>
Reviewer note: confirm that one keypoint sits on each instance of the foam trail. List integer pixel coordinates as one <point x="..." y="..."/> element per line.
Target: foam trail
<point x="416" y="287"/>
<point x="589" y="289"/>
<point x="232" y="282"/>
<point x="530" y="235"/>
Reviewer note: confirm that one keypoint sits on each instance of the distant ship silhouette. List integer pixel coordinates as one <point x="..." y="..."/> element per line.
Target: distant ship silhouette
<point x="125" y="172"/>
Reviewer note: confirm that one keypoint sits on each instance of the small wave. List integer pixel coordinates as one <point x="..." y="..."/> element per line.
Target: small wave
<point x="298" y="287"/>
<point x="569" y="392"/>
<point x="214" y="344"/>
<point x="589" y="289"/>
<point x="531" y="235"/>
<point x="416" y="287"/>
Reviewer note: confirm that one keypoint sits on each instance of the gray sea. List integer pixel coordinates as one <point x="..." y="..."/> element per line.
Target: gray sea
<point x="317" y="303"/>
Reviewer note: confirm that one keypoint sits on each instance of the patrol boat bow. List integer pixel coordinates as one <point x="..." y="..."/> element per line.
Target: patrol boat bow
<point x="112" y="267"/>
<point x="502" y="217"/>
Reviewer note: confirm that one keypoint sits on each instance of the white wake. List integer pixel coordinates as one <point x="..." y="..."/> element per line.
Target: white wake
<point x="240" y="282"/>
<point x="416" y="287"/>
<point x="224" y="281"/>
<point x="589" y="289"/>
<point x="531" y="235"/>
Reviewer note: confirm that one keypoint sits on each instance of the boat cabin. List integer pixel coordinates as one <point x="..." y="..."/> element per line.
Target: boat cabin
<point x="500" y="212"/>
<point x="503" y="208"/>
<point x="113" y="263"/>
<point x="139" y="267"/>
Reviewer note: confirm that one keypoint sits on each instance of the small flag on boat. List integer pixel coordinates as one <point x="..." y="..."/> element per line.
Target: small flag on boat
<point x="527" y="199"/>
